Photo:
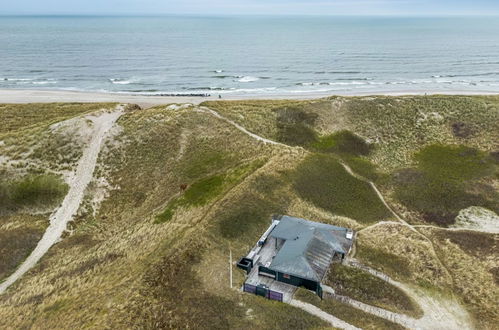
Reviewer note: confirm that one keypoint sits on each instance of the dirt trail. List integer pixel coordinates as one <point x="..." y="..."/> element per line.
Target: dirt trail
<point x="334" y="321"/>
<point x="376" y="190"/>
<point x="438" y="312"/>
<point x="242" y="129"/>
<point x="101" y="124"/>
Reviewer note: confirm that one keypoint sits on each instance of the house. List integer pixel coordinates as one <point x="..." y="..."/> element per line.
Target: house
<point x="297" y="252"/>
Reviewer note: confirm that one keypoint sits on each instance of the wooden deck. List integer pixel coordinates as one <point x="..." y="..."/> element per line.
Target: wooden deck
<point x="266" y="254"/>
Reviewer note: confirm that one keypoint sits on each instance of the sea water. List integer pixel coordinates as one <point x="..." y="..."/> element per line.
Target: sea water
<point x="250" y="55"/>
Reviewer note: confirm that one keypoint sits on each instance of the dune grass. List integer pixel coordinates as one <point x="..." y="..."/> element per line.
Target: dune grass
<point x="197" y="194"/>
<point x="470" y="258"/>
<point x="17" y="243"/>
<point x="442" y="183"/>
<point x="322" y="180"/>
<point x="362" y="286"/>
<point x="16" y="117"/>
<point x="295" y="126"/>
<point x="456" y="163"/>
<point x="388" y="263"/>
<point x="206" y="189"/>
<point x="345" y="312"/>
<point x="120" y="270"/>
<point x="343" y="142"/>
<point x="44" y="190"/>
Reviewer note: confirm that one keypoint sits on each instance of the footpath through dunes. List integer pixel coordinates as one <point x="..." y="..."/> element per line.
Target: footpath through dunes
<point x="101" y="123"/>
<point x="438" y="312"/>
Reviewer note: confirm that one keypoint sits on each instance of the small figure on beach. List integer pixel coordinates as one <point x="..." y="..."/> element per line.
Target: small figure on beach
<point x="219" y="96"/>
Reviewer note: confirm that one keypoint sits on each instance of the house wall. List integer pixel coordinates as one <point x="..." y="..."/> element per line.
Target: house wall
<point x="297" y="281"/>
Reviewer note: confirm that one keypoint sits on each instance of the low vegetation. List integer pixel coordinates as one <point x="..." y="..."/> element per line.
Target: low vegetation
<point x="388" y="263"/>
<point x="32" y="191"/>
<point x="364" y="287"/>
<point x="205" y="190"/>
<point x="471" y="258"/>
<point x="17" y="117"/>
<point x="344" y="143"/>
<point x="215" y="189"/>
<point x="445" y="182"/>
<point x="17" y="243"/>
<point x="345" y="312"/>
<point x="322" y="180"/>
<point x="295" y="126"/>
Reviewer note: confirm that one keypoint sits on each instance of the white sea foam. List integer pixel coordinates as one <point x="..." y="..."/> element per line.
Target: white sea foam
<point x="46" y="82"/>
<point x="120" y="81"/>
<point x="247" y="79"/>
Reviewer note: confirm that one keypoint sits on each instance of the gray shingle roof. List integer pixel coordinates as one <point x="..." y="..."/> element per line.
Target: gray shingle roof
<point x="308" y="248"/>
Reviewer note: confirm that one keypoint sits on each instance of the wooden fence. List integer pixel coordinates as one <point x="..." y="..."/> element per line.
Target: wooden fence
<point x="269" y="294"/>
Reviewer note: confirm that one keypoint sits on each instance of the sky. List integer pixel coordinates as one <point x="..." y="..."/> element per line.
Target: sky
<point x="238" y="7"/>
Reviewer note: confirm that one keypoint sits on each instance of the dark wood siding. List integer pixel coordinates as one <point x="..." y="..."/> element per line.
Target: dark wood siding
<point x="297" y="281"/>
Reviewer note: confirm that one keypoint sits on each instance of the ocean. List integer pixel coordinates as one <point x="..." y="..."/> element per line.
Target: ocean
<point x="249" y="55"/>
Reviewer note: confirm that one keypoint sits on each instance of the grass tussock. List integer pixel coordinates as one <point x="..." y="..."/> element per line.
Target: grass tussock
<point x="362" y="286"/>
<point x="345" y="312"/>
<point x="404" y="255"/>
<point x="476" y="244"/>
<point x="322" y="180"/>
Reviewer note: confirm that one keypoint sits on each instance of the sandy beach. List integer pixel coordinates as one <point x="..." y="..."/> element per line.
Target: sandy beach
<point x="145" y="101"/>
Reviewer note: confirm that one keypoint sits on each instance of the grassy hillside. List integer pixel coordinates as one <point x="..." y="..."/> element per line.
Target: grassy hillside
<point x="176" y="190"/>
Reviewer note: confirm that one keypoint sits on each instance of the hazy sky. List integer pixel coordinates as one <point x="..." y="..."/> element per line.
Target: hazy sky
<point x="324" y="7"/>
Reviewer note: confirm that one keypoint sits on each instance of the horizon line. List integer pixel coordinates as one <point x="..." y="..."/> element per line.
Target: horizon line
<point x="244" y="15"/>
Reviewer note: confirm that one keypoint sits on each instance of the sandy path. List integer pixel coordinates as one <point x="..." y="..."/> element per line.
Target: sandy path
<point x="102" y="123"/>
<point x="242" y="129"/>
<point x="404" y="320"/>
<point x="334" y="321"/>
<point x="438" y="312"/>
